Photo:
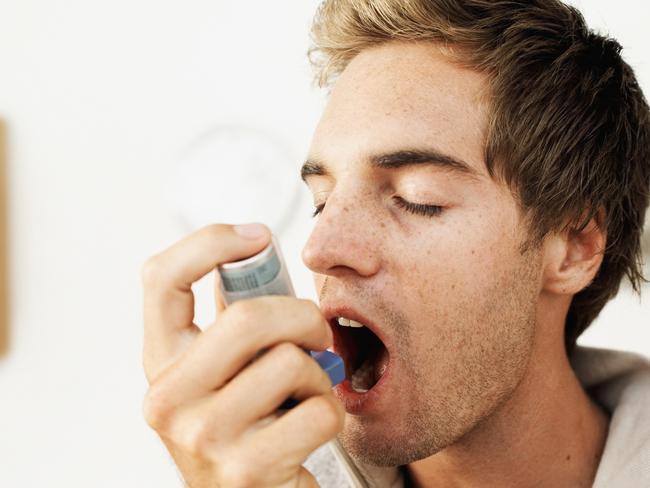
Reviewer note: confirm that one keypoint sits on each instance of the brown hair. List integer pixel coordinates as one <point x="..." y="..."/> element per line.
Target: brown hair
<point x="569" y="129"/>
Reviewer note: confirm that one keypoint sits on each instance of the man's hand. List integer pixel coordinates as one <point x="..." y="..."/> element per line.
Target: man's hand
<point x="210" y="400"/>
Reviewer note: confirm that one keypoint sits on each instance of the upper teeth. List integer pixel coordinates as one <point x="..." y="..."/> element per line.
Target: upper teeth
<point x="349" y="322"/>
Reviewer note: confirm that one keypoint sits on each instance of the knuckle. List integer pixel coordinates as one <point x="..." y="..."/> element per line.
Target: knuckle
<point x="156" y="409"/>
<point x="151" y="270"/>
<point x="245" y="313"/>
<point x="294" y="360"/>
<point x="313" y="315"/>
<point x="197" y="439"/>
<point x="311" y="309"/>
<point x="329" y="414"/>
<point x="247" y="317"/>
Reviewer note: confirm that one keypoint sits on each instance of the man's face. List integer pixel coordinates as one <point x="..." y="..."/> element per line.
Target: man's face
<point x="449" y="290"/>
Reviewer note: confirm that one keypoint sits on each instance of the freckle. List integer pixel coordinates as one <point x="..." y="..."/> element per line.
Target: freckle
<point x="568" y="457"/>
<point x="453" y="287"/>
<point x="473" y="251"/>
<point x="383" y="226"/>
<point x="346" y="209"/>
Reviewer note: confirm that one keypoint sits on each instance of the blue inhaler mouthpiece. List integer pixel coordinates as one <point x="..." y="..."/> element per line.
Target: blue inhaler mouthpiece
<point x="332" y="364"/>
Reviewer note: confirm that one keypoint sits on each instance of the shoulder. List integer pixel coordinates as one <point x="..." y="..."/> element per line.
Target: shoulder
<point x="620" y="382"/>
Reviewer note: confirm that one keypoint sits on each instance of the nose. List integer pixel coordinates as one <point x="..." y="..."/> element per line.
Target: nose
<point x="346" y="239"/>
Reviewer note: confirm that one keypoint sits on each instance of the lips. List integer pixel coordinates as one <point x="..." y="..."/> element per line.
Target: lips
<point x="365" y="350"/>
<point x="332" y="312"/>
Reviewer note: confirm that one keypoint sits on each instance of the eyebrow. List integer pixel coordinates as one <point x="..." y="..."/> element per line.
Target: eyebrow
<point x="399" y="159"/>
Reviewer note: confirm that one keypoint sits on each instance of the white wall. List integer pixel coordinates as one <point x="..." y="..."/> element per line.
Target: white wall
<point x="100" y="99"/>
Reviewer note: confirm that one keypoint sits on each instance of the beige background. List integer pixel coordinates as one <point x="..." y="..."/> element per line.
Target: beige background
<point x="4" y="297"/>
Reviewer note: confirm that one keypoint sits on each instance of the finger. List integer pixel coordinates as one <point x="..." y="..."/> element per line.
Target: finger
<point x="274" y="446"/>
<point x="168" y="278"/>
<point x="235" y="462"/>
<point x="284" y="371"/>
<point x="218" y="295"/>
<point x="244" y="329"/>
<point x="290" y="439"/>
<point x="250" y="400"/>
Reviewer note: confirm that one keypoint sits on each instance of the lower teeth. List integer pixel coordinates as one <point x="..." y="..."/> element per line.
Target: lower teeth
<point x="363" y="378"/>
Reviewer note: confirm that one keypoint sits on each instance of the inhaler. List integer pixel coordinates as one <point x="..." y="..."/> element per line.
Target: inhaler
<point x="266" y="274"/>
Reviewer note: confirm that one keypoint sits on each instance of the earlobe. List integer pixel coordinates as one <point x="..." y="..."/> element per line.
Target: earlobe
<point x="572" y="259"/>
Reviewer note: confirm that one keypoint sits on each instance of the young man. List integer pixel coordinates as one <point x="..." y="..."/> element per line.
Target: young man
<point x="481" y="175"/>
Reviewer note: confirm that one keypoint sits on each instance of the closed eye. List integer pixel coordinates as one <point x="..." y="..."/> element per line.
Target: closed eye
<point x="418" y="208"/>
<point x="415" y="208"/>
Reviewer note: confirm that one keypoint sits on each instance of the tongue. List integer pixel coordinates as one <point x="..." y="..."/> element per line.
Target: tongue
<point x="381" y="363"/>
<point x="363" y="378"/>
<point x="370" y="371"/>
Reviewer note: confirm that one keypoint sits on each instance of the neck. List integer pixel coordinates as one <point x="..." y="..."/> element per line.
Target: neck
<point x="548" y="433"/>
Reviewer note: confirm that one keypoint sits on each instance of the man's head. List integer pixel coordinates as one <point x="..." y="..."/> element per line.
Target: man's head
<point x="486" y="171"/>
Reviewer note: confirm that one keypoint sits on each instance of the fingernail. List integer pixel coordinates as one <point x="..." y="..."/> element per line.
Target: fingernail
<point x="250" y="231"/>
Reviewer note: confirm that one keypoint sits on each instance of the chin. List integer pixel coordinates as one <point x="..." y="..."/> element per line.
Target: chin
<point x="378" y="444"/>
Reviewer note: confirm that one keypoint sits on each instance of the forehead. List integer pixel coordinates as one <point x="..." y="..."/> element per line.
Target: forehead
<point x="403" y="95"/>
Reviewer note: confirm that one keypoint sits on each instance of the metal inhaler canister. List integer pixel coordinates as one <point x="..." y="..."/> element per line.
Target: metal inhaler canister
<point x="262" y="274"/>
<point x="266" y="274"/>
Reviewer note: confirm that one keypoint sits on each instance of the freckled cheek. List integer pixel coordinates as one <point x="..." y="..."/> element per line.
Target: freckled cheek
<point x="449" y="267"/>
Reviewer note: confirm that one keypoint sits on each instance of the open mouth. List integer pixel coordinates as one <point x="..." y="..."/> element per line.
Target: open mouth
<point x="365" y="355"/>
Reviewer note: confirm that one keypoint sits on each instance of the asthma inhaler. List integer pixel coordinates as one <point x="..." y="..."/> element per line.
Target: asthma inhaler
<point x="266" y="274"/>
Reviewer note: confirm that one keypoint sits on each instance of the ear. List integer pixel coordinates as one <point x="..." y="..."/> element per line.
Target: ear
<point x="572" y="258"/>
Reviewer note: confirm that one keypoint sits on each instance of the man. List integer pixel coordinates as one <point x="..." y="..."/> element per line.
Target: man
<point x="481" y="174"/>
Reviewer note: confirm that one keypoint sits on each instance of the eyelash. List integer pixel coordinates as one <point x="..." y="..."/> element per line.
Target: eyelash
<point x="418" y="208"/>
<point x="414" y="208"/>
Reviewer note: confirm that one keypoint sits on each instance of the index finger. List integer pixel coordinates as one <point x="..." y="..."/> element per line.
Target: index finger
<point x="167" y="282"/>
